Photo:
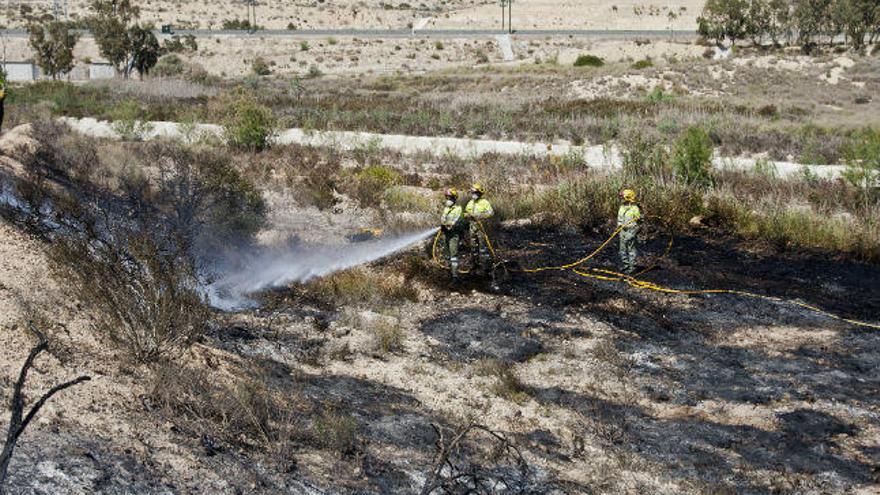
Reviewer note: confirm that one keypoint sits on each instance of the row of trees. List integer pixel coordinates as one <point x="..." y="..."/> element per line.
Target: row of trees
<point x="806" y="22"/>
<point x="127" y="44"/>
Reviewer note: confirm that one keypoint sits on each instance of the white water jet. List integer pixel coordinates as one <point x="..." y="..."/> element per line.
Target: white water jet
<point x="300" y="264"/>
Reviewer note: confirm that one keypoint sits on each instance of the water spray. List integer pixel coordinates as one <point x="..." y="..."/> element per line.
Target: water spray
<point x="300" y="264"/>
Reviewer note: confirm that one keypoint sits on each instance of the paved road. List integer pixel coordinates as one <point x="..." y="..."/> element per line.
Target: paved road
<point x="431" y="33"/>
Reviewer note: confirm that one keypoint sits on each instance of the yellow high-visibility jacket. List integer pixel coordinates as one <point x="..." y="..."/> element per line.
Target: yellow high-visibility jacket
<point x="629" y="215"/>
<point x="451" y="216"/>
<point x="479" y="209"/>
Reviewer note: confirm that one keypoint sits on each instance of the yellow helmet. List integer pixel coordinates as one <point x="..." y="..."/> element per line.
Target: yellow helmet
<point x="451" y="192"/>
<point x="477" y="188"/>
<point x="628" y="195"/>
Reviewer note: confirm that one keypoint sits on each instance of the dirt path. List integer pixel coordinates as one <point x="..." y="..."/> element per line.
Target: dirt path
<point x="599" y="156"/>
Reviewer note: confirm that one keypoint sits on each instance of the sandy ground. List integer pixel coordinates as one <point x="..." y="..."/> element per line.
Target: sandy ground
<point x="433" y="14"/>
<point x="232" y="55"/>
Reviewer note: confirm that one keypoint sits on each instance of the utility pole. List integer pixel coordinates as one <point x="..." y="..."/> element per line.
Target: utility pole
<point x="503" y="4"/>
<point x="509" y="16"/>
<point x="252" y="7"/>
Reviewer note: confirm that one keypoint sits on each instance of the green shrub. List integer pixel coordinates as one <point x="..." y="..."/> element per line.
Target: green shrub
<point x="170" y="65"/>
<point x="128" y="123"/>
<point x="249" y="125"/>
<point x="588" y="61"/>
<point x="862" y="155"/>
<point x="368" y="185"/>
<point x="314" y="72"/>
<point x="692" y="158"/>
<point x="657" y="95"/>
<point x="304" y="46"/>
<point x="643" y="64"/>
<point x="401" y="198"/>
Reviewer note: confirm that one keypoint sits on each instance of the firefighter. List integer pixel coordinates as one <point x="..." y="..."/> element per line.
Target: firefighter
<point x="477" y="211"/>
<point x="452" y="224"/>
<point x="628" y="217"/>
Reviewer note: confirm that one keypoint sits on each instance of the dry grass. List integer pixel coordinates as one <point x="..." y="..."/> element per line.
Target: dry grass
<point x="359" y="286"/>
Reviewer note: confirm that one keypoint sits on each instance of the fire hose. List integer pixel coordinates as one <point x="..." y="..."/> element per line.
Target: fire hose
<point x="577" y="267"/>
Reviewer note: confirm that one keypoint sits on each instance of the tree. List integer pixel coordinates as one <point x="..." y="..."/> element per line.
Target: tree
<point x="122" y="41"/>
<point x="143" y="49"/>
<point x="856" y="19"/>
<point x="811" y="19"/>
<point x="53" y="45"/>
<point x="779" y="20"/>
<point x="724" y="19"/>
<point x="692" y="158"/>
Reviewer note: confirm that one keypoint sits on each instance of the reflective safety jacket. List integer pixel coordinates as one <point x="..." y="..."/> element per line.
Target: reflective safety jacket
<point x="479" y="209"/>
<point x="629" y="215"/>
<point x="451" y="216"/>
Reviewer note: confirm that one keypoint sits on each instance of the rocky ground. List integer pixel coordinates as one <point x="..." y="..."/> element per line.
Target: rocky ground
<point x="602" y="388"/>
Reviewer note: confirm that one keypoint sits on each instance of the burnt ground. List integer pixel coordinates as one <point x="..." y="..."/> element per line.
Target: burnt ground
<point x="806" y="441"/>
<point x="610" y="389"/>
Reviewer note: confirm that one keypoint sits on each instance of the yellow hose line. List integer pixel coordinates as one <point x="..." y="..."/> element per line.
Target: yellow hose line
<point x="612" y="276"/>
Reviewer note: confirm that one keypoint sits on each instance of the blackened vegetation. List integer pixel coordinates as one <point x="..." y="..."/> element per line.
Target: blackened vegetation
<point x="19" y="419"/>
<point x="454" y="472"/>
<point x="137" y="232"/>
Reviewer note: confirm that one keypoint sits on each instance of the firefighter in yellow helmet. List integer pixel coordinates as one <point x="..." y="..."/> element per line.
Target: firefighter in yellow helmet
<point x="452" y="225"/>
<point x="477" y="211"/>
<point x="628" y="217"/>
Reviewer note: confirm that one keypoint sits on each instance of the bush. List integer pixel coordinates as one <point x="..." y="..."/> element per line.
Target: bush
<point x="507" y="385"/>
<point x="402" y="198"/>
<point x="692" y="158"/>
<point x="588" y="61"/>
<point x="314" y="72"/>
<point x="260" y="67"/>
<point x="657" y="95"/>
<point x="643" y="64"/>
<point x="127" y="121"/>
<point x="862" y="156"/>
<point x="145" y="301"/>
<point x="387" y="336"/>
<point x="170" y="65"/>
<point x="239" y="409"/>
<point x="337" y="432"/>
<point x="249" y="125"/>
<point x="359" y="286"/>
<point x="368" y="185"/>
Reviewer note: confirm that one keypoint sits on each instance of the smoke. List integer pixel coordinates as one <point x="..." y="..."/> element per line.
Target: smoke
<point x="299" y="264"/>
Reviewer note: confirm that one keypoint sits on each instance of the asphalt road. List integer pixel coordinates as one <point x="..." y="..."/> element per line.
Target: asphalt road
<point x="430" y="33"/>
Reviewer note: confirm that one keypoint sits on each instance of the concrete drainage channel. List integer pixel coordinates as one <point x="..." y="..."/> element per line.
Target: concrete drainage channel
<point x="599" y="156"/>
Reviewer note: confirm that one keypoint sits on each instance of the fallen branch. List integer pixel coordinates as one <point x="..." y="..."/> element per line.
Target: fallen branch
<point x="448" y="476"/>
<point x="19" y="421"/>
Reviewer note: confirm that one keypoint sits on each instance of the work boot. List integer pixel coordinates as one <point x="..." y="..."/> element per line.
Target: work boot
<point x="453" y="269"/>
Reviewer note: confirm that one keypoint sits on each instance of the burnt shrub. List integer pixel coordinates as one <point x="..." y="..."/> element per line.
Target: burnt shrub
<point x="239" y="409"/>
<point x="132" y="237"/>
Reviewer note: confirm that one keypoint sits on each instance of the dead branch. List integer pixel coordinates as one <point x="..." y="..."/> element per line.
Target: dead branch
<point x="451" y="473"/>
<point x="19" y="420"/>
